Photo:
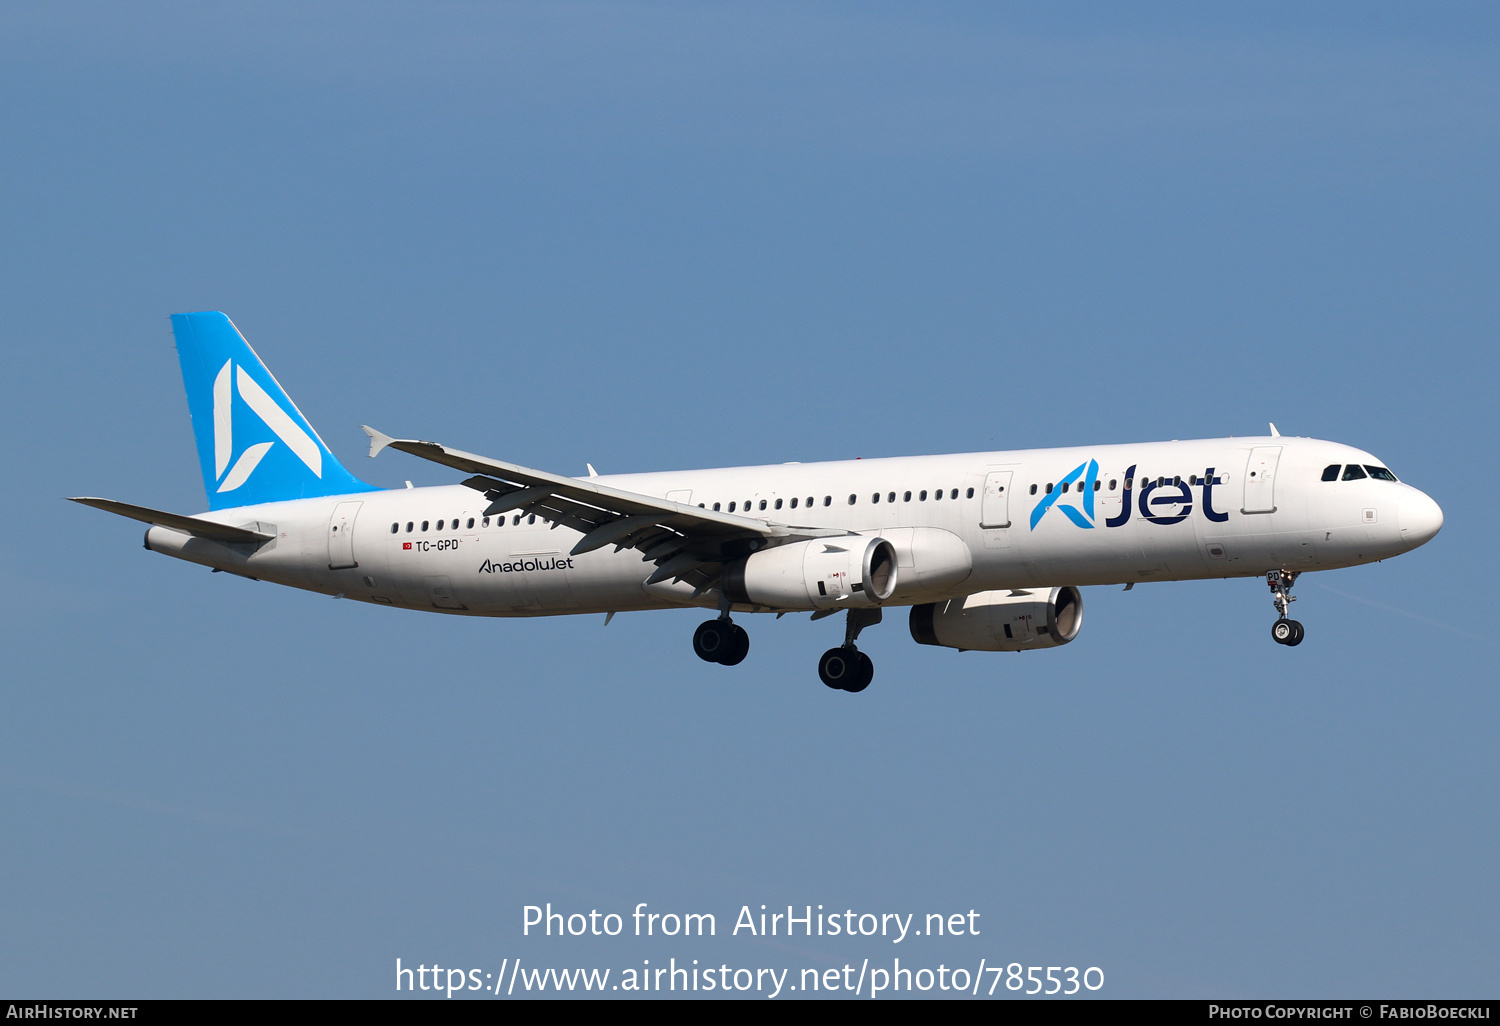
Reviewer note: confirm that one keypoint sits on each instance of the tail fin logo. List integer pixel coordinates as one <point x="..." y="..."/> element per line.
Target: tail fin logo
<point x="232" y="379"/>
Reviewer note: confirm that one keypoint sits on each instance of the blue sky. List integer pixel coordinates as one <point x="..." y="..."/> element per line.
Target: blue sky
<point x="660" y="236"/>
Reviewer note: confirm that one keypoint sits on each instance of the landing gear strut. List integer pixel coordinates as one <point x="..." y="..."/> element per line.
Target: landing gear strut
<point x="846" y="668"/>
<point x="1284" y="631"/>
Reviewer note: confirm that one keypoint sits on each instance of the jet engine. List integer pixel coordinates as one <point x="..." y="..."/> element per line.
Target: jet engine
<point x="845" y="571"/>
<point x="1001" y="621"/>
<point x="932" y="563"/>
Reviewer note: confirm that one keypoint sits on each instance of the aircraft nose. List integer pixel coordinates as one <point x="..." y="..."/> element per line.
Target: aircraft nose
<point x="1421" y="518"/>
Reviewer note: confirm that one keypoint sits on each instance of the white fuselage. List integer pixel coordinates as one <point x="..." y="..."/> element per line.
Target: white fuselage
<point x="1234" y="507"/>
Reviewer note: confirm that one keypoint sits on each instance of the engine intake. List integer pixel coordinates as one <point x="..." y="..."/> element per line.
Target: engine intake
<point x="1001" y="621"/>
<point x="820" y="574"/>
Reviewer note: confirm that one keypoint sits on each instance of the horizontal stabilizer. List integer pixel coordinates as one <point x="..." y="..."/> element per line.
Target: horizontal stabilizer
<point x="176" y="521"/>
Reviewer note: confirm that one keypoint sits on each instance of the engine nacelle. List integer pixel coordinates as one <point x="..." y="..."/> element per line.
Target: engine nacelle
<point x="932" y="563"/>
<point x="824" y="573"/>
<point x="1001" y="621"/>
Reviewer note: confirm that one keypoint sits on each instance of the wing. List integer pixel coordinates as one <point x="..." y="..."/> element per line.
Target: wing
<point x="687" y="543"/>
<point x="176" y="521"/>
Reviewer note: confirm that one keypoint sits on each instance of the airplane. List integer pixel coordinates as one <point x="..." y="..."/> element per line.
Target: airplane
<point x="987" y="550"/>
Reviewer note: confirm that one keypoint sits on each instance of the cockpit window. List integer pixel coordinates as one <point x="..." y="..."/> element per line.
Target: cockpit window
<point x="1380" y="473"/>
<point x="1353" y="472"/>
<point x="1331" y="473"/>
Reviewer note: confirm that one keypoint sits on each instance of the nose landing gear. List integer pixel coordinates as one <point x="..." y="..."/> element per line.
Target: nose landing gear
<point x="1287" y="632"/>
<point x="1284" y="631"/>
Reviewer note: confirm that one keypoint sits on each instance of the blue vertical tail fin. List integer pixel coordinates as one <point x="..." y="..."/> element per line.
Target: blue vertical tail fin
<point x="254" y="445"/>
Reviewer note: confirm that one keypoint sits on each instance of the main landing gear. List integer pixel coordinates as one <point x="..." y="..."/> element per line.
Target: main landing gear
<point x="721" y="641"/>
<point x="1284" y="631"/>
<point x="846" y="668"/>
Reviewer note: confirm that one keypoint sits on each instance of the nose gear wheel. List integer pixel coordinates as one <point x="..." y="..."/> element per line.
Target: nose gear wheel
<point x="1284" y="631"/>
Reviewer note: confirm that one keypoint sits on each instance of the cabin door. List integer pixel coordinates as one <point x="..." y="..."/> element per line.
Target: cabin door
<point x="341" y="536"/>
<point x="1260" y="480"/>
<point x="994" y="510"/>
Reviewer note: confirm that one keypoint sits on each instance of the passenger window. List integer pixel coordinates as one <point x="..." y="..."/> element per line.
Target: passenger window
<point x="828" y="500"/>
<point x="1065" y="488"/>
<point x="922" y="496"/>
<point x="716" y="507"/>
<point x="1353" y="472"/>
<point x="875" y="497"/>
<point x="810" y="502"/>
<point x="485" y="522"/>
<point x="1177" y="482"/>
<point x="762" y="503"/>
<point x="953" y="494"/>
<point x="395" y="528"/>
<point x="1111" y="484"/>
<point x="1033" y="489"/>
<point x="702" y="506"/>
<point x="1331" y="472"/>
<point x="408" y="527"/>
<point x="906" y="497"/>
<point x="969" y="494"/>
<point x="424" y="525"/>
<point x="1380" y="473"/>
<point x="1049" y="487"/>
<point x="794" y="503"/>
<point x="1129" y="483"/>
<point x="1097" y="483"/>
<point x="851" y="500"/>
<point x="531" y="519"/>
<point x="517" y="521"/>
<point x="471" y="523"/>
<point x="731" y="507"/>
<point x="936" y="495"/>
<point x="439" y="526"/>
